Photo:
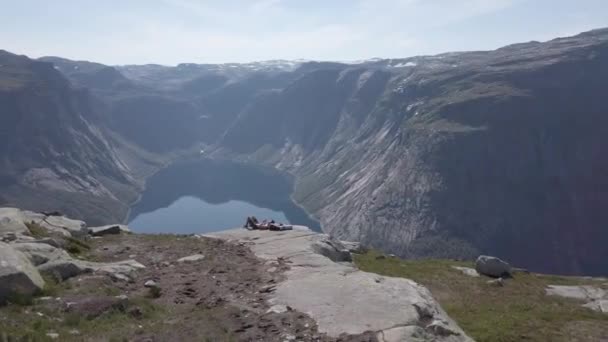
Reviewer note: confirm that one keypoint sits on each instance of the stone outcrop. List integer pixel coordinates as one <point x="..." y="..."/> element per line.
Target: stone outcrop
<point x="24" y="257"/>
<point x="595" y="298"/>
<point x="14" y="221"/>
<point x="57" y="224"/>
<point x="333" y="249"/>
<point x="343" y="299"/>
<point x="492" y="266"/>
<point x="18" y="277"/>
<point x="41" y="253"/>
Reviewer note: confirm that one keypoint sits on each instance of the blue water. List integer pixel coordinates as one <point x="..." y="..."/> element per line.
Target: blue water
<point x="192" y="215"/>
<point x="209" y="195"/>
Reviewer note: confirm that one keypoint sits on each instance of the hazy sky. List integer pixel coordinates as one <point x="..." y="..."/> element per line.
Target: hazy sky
<point x="174" y="31"/>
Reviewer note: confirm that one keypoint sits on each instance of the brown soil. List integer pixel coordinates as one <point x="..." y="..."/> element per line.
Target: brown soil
<point x="222" y="297"/>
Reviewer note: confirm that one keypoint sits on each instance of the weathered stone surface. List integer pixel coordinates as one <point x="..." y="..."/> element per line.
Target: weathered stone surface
<point x="11" y="221"/>
<point x="150" y="283"/>
<point x="191" y="258"/>
<point x="109" y="230"/>
<point x="595" y="298"/>
<point x="63" y="269"/>
<point x="467" y="271"/>
<point x="40" y="253"/>
<point x="343" y="299"/>
<point x="17" y="274"/>
<point x="58" y="224"/>
<point x="492" y="266"/>
<point x="333" y="249"/>
<point x="353" y="247"/>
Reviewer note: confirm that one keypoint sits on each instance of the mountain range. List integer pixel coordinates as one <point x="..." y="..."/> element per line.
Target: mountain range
<point x="448" y="156"/>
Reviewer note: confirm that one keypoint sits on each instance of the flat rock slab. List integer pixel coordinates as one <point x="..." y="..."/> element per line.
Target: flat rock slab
<point x="595" y="298"/>
<point x="343" y="299"/>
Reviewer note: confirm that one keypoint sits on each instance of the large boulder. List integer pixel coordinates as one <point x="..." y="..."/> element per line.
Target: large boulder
<point x="109" y="230"/>
<point x="11" y="222"/>
<point x="18" y="277"/>
<point x="492" y="266"/>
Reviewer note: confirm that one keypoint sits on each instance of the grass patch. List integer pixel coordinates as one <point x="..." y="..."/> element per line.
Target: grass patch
<point x="37" y="231"/>
<point x="18" y="323"/>
<point x="154" y="292"/>
<point x="76" y="246"/>
<point x="519" y="311"/>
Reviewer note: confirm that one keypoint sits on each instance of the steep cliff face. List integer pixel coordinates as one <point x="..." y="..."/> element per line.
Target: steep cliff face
<point x="52" y="157"/>
<point x="452" y="155"/>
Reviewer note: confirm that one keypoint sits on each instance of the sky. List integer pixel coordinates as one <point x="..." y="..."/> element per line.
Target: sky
<point x="197" y="31"/>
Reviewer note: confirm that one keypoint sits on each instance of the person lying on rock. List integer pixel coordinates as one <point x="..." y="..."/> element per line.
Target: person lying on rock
<point x="253" y="223"/>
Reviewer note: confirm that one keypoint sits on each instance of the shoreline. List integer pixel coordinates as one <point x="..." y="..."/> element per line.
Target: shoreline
<point x="291" y="178"/>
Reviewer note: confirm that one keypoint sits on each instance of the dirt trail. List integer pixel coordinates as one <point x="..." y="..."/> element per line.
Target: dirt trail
<point x="221" y="297"/>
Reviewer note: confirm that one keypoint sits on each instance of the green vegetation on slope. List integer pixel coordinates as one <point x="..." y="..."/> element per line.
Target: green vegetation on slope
<point x="519" y="311"/>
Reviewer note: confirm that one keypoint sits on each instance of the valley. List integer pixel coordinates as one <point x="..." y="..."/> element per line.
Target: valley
<point x="445" y="156"/>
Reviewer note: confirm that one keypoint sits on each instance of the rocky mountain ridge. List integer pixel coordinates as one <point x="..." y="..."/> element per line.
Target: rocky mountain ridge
<point x="448" y="156"/>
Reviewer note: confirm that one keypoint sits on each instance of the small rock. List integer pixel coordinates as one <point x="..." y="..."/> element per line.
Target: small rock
<point x="8" y="237"/>
<point x="52" y="335"/>
<point x="277" y="309"/>
<point x="150" y="283"/>
<point x="499" y="282"/>
<point x="191" y="258"/>
<point x="467" y="271"/>
<point x="272" y="270"/>
<point x="332" y="249"/>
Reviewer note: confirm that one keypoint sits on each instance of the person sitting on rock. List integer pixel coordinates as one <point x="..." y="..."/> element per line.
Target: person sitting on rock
<point x="252" y="223"/>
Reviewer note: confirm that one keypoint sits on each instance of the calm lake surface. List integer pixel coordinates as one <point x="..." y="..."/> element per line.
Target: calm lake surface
<point x="207" y="196"/>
